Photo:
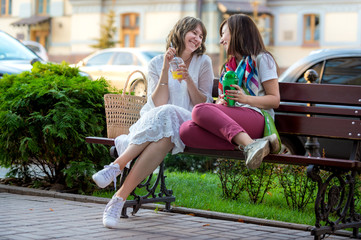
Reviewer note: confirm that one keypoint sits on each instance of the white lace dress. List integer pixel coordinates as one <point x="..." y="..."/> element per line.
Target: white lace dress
<point x="156" y="123"/>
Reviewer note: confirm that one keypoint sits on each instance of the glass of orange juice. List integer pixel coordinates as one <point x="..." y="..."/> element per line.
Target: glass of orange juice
<point x="174" y="67"/>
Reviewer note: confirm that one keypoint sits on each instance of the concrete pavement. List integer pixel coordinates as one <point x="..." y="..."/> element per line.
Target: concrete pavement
<point x="37" y="214"/>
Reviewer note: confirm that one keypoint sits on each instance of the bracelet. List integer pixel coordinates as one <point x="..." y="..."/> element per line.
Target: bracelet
<point x="163" y="84"/>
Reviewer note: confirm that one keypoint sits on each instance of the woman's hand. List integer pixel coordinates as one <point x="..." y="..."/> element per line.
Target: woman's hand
<point x="169" y="55"/>
<point x="237" y="94"/>
<point x="183" y="72"/>
<point x="221" y="100"/>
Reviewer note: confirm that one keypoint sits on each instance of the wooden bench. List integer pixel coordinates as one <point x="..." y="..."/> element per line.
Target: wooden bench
<point x="310" y="110"/>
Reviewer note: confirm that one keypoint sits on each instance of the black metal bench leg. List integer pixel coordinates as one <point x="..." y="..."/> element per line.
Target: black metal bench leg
<point x="167" y="206"/>
<point x="355" y="233"/>
<point x="335" y="202"/>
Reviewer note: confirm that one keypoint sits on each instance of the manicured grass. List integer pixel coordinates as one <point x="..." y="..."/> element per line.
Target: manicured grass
<point x="203" y="191"/>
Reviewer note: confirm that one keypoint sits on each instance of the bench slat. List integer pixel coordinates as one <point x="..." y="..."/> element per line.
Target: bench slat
<point x="277" y="158"/>
<point x="347" y="112"/>
<point x="100" y="140"/>
<point x="319" y="127"/>
<point x="321" y="93"/>
<point x="305" y="161"/>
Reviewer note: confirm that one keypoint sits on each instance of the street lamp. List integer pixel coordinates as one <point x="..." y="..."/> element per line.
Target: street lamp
<point x="254" y="4"/>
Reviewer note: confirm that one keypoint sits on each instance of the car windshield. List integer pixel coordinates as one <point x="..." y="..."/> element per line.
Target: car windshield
<point x="150" y="54"/>
<point x="34" y="48"/>
<point x="12" y="49"/>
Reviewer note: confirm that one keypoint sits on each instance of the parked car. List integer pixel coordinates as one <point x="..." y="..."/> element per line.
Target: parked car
<point x="115" y="65"/>
<point x="333" y="66"/>
<point x="15" y="57"/>
<point x="37" y="48"/>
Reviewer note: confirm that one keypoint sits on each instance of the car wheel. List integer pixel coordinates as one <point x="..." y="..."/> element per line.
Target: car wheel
<point x="138" y="87"/>
<point x="292" y="145"/>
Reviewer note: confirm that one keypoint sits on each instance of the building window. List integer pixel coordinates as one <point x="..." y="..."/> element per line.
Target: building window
<point x="43" y="7"/>
<point x="311" y="31"/>
<point x="130" y="30"/>
<point x="5" y="6"/>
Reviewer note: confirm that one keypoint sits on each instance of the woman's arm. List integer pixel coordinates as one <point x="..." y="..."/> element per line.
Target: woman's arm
<point x="202" y="93"/>
<point x="270" y="100"/>
<point x="160" y="95"/>
<point x="269" y="80"/>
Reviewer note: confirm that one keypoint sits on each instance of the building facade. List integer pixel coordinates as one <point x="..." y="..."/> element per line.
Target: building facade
<point x="291" y="29"/>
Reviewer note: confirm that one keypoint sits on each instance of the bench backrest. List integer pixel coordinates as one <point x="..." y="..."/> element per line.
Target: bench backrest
<point x="332" y="111"/>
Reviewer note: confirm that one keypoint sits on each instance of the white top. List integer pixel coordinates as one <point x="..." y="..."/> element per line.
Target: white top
<point x="267" y="70"/>
<point x="201" y="72"/>
<point x="156" y="123"/>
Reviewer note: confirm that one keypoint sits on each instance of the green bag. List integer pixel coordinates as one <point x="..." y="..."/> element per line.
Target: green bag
<point x="270" y="128"/>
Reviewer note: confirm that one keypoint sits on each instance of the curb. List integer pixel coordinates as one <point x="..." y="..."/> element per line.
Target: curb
<point x="180" y="210"/>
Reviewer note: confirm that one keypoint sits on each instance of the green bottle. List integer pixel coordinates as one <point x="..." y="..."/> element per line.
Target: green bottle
<point x="230" y="78"/>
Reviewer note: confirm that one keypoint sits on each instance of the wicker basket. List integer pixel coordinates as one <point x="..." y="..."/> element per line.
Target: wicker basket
<point x="122" y="110"/>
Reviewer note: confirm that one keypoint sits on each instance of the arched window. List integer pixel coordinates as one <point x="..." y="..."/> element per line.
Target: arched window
<point x="130" y="30"/>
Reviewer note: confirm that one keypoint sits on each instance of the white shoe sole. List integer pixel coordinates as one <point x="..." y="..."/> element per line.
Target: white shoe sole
<point x="97" y="183"/>
<point x="255" y="161"/>
<point x="274" y="143"/>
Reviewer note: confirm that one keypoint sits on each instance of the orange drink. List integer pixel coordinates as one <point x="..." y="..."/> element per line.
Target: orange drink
<point x="174" y="67"/>
<point x="176" y="75"/>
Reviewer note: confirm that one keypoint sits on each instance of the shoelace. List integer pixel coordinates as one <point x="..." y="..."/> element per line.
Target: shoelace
<point x="112" y="172"/>
<point x="113" y="208"/>
<point x="249" y="146"/>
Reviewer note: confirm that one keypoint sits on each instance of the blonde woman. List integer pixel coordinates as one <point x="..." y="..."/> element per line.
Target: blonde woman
<point x="170" y="103"/>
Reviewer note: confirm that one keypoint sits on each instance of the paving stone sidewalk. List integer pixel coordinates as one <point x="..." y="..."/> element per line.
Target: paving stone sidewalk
<point x="44" y="217"/>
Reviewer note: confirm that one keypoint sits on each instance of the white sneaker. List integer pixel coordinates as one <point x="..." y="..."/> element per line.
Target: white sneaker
<point x="109" y="174"/>
<point x="112" y="212"/>
<point x="274" y="143"/>
<point x="255" y="152"/>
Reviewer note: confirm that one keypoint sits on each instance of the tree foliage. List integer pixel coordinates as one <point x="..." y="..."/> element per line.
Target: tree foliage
<point x="45" y="116"/>
<point x="107" y="34"/>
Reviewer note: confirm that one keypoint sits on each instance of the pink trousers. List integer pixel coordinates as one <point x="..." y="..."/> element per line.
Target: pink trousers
<point x="213" y="126"/>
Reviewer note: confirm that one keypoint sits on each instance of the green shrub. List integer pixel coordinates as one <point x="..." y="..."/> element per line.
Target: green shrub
<point x="298" y="189"/>
<point x="45" y="116"/>
<point x="358" y="193"/>
<point x="78" y="175"/>
<point x="259" y="181"/>
<point x="189" y="163"/>
<point x="231" y="177"/>
<point x="236" y="178"/>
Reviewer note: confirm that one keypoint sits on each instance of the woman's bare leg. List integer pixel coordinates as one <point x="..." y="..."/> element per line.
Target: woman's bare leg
<point x="146" y="163"/>
<point x="242" y="139"/>
<point x="130" y="153"/>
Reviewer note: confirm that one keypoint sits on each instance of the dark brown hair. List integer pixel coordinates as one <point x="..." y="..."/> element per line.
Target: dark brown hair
<point x="246" y="40"/>
<point x="181" y="28"/>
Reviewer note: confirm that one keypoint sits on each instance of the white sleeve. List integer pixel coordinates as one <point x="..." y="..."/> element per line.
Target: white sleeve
<point x="152" y="80"/>
<point x="153" y="74"/>
<point x="206" y="77"/>
<point x="267" y="68"/>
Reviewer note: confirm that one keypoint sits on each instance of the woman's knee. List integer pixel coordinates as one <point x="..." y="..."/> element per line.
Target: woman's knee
<point x="185" y="131"/>
<point x="202" y="112"/>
